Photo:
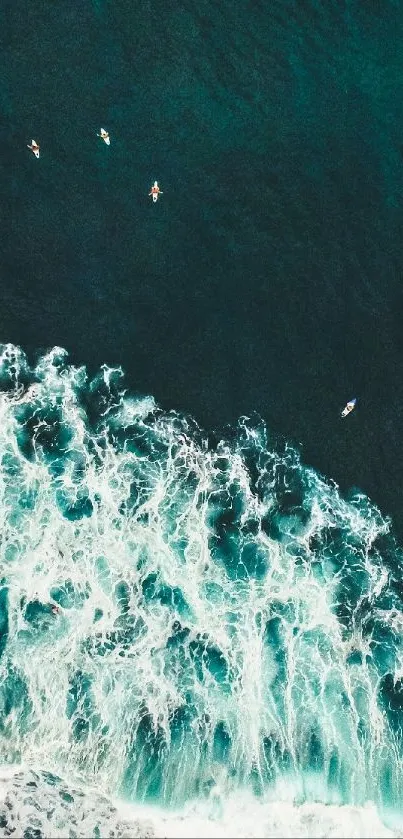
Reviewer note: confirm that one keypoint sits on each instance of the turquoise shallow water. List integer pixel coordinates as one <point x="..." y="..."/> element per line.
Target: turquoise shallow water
<point x="181" y="621"/>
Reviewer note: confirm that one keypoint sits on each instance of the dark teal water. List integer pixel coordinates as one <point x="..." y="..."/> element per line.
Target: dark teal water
<point x="268" y="277"/>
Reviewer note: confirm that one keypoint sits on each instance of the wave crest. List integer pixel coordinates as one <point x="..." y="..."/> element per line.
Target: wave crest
<point x="181" y="616"/>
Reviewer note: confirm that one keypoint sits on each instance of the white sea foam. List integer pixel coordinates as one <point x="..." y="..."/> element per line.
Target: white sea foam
<point x="36" y="801"/>
<point x="247" y="818"/>
<point x="205" y="627"/>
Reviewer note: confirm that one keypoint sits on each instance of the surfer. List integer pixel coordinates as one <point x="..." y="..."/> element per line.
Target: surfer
<point x="34" y="148"/>
<point x="349" y="407"/>
<point x="155" y="191"/>
<point x="104" y="136"/>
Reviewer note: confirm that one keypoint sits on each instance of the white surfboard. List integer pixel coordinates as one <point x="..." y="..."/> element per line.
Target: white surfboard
<point x="155" y="191"/>
<point x="349" y="407"/>
<point x="34" y="148"/>
<point x="103" y="134"/>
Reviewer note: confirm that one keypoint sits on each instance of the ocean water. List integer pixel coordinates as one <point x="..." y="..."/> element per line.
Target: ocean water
<point x="200" y="563"/>
<point x="185" y="623"/>
<point x="268" y="277"/>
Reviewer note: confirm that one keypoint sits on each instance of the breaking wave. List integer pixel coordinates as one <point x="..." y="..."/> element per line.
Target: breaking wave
<point x="186" y="621"/>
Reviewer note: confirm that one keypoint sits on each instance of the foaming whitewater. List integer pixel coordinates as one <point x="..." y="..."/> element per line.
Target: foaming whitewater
<point x="194" y="634"/>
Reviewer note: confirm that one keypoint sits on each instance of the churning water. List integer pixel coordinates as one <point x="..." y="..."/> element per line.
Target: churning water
<point x="185" y="621"/>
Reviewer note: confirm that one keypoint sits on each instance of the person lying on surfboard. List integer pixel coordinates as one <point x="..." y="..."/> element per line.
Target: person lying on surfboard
<point x="104" y="136"/>
<point x="155" y="191"/>
<point x="349" y="407"/>
<point x="34" y="148"/>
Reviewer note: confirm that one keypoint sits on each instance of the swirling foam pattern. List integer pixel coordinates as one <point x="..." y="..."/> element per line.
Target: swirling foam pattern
<point x="182" y="619"/>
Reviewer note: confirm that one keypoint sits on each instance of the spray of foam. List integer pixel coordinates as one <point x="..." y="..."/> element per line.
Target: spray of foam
<point x="181" y="621"/>
<point x="38" y="803"/>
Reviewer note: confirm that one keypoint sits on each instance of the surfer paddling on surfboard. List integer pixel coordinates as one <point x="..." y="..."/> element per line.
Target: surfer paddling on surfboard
<point x="34" y="148"/>
<point x="104" y="136"/>
<point x="155" y="191"/>
<point x="349" y="407"/>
